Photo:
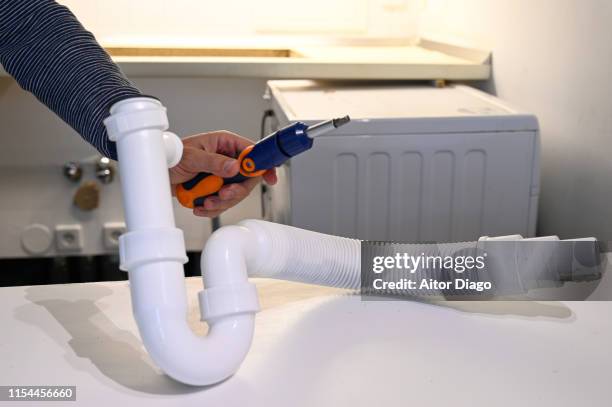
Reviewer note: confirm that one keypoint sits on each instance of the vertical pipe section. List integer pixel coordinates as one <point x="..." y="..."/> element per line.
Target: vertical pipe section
<point x="142" y="162"/>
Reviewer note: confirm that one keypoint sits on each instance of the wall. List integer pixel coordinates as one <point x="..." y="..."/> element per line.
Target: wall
<point x="36" y="145"/>
<point x="197" y="105"/>
<point x="189" y="22"/>
<point x="553" y="58"/>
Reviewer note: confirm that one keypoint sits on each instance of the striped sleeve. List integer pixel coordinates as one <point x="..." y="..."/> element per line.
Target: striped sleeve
<point x="49" y="53"/>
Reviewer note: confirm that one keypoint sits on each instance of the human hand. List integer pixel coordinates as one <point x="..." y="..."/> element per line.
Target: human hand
<point x="214" y="152"/>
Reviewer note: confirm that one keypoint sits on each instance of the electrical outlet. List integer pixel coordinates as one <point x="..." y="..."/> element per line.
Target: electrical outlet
<point x="69" y="238"/>
<point x="111" y="232"/>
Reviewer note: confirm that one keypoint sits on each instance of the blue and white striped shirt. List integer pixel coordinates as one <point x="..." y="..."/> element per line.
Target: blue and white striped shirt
<point x="49" y="53"/>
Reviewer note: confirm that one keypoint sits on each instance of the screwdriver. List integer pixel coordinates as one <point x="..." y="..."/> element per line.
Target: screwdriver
<point x="271" y="151"/>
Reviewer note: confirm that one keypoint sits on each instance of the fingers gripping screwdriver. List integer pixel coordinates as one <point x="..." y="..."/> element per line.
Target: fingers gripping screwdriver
<point x="255" y="160"/>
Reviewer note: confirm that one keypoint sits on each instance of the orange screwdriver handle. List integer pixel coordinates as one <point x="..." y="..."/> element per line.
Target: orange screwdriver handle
<point x="193" y="192"/>
<point x="190" y="193"/>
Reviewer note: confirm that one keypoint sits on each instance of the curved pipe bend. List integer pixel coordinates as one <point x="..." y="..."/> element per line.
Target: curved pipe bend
<point x="229" y="302"/>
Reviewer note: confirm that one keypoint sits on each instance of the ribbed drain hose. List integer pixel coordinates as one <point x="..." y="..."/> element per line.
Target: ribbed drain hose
<point x="300" y="255"/>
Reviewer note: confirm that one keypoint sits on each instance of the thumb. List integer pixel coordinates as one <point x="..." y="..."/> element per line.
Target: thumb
<point x="195" y="160"/>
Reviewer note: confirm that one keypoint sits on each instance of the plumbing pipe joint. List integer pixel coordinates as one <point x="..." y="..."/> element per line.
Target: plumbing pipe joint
<point x="228" y="254"/>
<point x="130" y="115"/>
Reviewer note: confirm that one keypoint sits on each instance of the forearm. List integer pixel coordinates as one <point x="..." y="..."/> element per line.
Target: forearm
<point x="49" y="53"/>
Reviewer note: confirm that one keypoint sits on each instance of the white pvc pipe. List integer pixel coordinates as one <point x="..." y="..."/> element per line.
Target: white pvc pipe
<point x="153" y="252"/>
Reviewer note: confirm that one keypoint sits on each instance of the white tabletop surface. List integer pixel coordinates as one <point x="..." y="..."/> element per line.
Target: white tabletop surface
<point x="316" y="346"/>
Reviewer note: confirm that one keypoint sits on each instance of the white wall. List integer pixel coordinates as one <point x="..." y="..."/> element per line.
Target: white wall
<point x="553" y="58"/>
<point x="36" y="145"/>
<point x="197" y="105"/>
<point x="189" y="22"/>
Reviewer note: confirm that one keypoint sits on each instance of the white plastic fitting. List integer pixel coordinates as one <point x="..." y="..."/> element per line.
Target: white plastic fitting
<point x="153" y="252"/>
<point x="174" y="148"/>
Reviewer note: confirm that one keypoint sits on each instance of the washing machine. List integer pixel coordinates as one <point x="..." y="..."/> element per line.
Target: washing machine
<point x="416" y="163"/>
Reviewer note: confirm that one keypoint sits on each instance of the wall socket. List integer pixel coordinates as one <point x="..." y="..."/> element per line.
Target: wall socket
<point x="69" y="238"/>
<point x="111" y="232"/>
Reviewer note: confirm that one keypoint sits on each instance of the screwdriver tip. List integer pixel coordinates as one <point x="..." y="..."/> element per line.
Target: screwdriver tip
<point x="341" y="121"/>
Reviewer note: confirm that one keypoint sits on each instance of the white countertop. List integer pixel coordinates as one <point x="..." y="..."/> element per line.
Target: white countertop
<point x="316" y="346"/>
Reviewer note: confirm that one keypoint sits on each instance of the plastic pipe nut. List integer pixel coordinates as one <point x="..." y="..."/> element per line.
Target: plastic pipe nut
<point x="229" y="299"/>
<point x="131" y="115"/>
<point x="158" y="245"/>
